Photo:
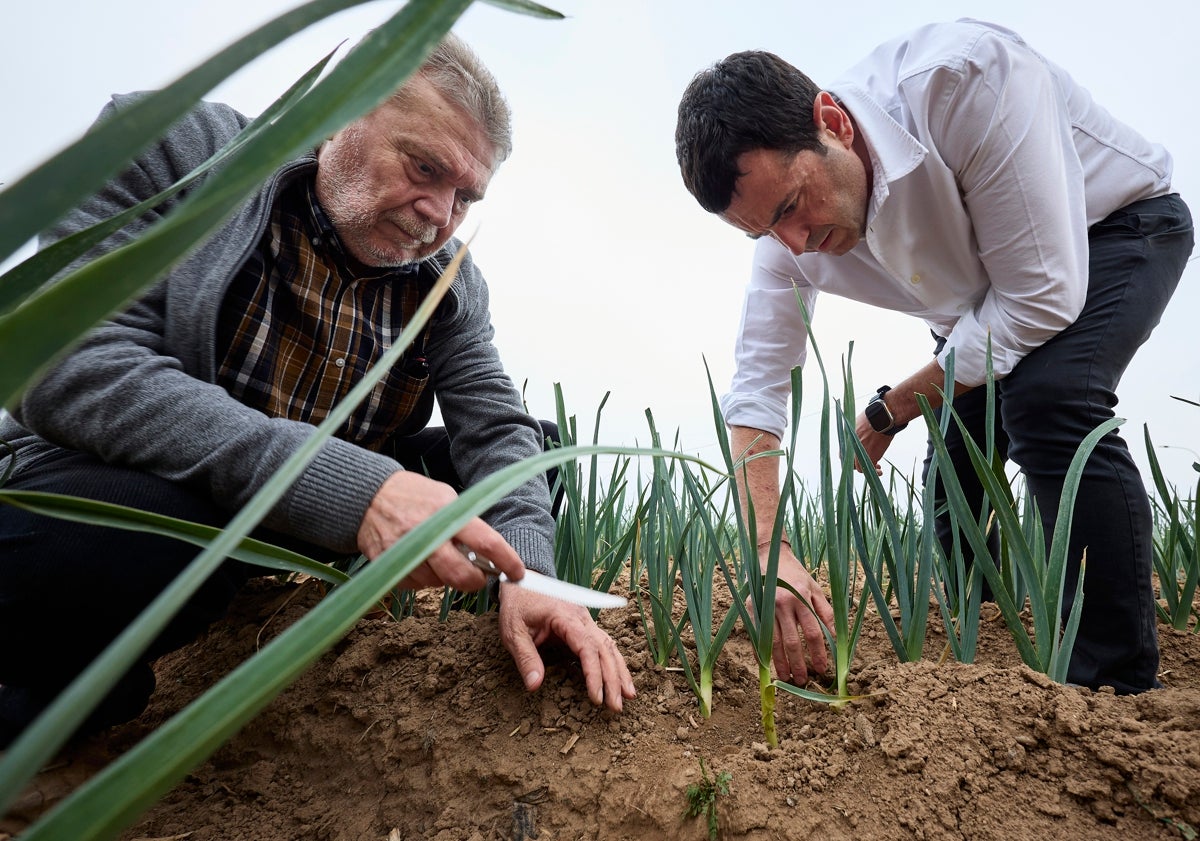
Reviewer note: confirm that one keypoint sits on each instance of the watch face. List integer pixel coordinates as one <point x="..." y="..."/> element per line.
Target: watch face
<point x="878" y="415"/>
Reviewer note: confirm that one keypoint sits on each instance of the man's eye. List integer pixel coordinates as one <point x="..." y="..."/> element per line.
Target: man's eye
<point x="424" y="168"/>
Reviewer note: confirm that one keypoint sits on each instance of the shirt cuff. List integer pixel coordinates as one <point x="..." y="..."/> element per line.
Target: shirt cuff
<point x="534" y="548"/>
<point x="756" y="412"/>
<point x="327" y="504"/>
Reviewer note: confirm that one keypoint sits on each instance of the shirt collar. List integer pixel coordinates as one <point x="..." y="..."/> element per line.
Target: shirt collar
<point x="894" y="151"/>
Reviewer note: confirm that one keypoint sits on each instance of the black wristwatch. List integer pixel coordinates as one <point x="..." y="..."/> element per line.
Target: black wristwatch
<point x="880" y="416"/>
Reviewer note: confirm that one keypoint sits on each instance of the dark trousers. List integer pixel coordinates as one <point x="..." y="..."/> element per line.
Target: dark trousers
<point x="68" y="589"/>
<point x="1057" y="395"/>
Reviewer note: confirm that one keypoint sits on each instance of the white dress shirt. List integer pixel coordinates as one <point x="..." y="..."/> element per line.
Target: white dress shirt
<point x="990" y="163"/>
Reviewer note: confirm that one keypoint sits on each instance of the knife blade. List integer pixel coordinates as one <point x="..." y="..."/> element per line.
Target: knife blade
<point x="535" y="582"/>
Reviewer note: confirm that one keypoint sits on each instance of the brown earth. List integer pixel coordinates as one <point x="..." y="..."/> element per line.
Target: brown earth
<point x="421" y="730"/>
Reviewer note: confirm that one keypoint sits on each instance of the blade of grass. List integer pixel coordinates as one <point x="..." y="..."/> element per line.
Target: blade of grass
<point x="96" y="513"/>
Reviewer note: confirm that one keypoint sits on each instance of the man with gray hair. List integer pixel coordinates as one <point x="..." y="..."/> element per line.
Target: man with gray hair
<point x="189" y="400"/>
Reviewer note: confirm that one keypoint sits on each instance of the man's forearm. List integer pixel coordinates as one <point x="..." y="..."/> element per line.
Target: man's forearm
<point x="757" y="479"/>
<point x="928" y="381"/>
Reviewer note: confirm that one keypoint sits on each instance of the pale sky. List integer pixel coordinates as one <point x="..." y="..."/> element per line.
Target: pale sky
<point x="606" y="276"/>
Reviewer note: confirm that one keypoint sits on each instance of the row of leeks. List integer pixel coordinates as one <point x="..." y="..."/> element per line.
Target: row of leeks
<point x="688" y="528"/>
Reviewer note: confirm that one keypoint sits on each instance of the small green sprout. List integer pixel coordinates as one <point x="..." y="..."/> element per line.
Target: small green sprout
<point x="702" y="797"/>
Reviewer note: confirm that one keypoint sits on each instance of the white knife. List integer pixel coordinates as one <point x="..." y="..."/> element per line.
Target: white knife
<point x="547" y="586"/>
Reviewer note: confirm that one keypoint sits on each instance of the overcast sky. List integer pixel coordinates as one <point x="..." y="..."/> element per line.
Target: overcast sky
<point x="605" y="274"/>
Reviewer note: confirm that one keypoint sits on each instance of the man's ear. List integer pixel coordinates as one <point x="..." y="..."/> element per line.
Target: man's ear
<point x="830" y="116"/>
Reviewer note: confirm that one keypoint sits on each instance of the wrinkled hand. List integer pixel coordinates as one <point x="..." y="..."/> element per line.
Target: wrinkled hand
<point x="796" y="628"/>
<point x="408" y="499"/>
<point x="875" y="443"/>
<point x="529" y="619"/>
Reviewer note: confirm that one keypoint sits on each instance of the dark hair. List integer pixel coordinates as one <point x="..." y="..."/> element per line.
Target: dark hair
<point x="749" y="100"/>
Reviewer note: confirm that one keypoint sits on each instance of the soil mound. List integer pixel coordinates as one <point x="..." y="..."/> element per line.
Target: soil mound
<point x="421" y="729"/>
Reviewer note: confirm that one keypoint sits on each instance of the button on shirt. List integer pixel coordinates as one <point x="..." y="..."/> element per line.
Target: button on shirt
<point x="990" y="163"/>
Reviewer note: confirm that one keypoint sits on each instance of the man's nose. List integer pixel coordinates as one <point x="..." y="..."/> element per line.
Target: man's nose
<point x="437" y="206"/>
<point x="792" y="237"/>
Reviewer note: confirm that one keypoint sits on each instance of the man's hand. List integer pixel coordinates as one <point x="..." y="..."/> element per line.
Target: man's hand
<point x="408" y="499"/>
<point x="875" y="443"/>
<point x="529" y="619"/>
<point x="796" y="627"/>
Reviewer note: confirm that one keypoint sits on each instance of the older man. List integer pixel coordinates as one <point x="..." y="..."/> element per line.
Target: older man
<point x="957" y="175"/>
<point x="188" y="401"/>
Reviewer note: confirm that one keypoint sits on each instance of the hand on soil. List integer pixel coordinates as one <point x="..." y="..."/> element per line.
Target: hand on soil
<point x="796" y="628"/>
<point x="527" y="620"/>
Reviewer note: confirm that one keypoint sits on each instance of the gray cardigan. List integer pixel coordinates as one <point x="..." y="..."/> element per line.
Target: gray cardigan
<point x="140" y="390"/>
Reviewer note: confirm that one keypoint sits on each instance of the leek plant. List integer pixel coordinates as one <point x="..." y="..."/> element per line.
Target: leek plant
<point x="1176" y="549"/>
<point x="806" y="528"/>
<point x="595" y="533"/>
<point x="958" y="584"/>
<point x="1047" y="648"/>
<point x="704" y="540"/>
<point x="741" y="566"/>
<point x="842" y="526"/>
<point x="1015" y="583"/>
<point x="839" y="509"/>
<point x="902" y="558"/>
<point x="958" y="587"/>
<point x="659" y="534"/>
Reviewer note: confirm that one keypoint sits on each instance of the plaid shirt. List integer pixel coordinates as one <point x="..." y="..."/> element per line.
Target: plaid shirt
<point x="300" y="328"/>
